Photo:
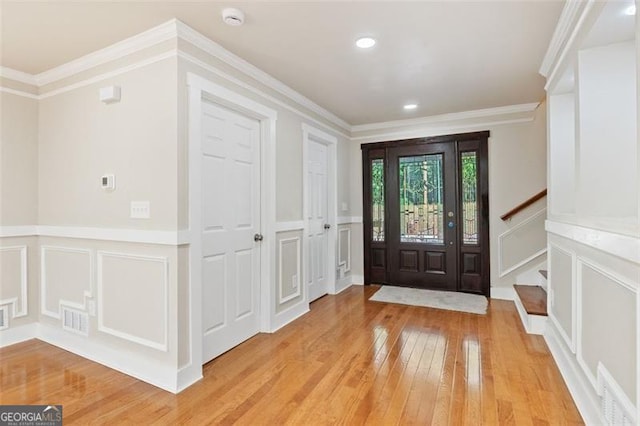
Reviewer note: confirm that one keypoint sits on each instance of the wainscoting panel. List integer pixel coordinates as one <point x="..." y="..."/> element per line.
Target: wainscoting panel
<point x="66" y="278"/>
<point x="133" y="296"/>
<point x="344" y="248"/>
<point x="14" y="291"/>
<point x="605" y="303"/>
<point x="289" y="271"/>
<point x="562" y="292"/>
<point x="522" y="243"/>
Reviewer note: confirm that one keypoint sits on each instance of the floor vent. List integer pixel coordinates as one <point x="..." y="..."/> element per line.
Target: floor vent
<point x="76" y="321"/>
<point x="616" y="407"/>
<point x="4" y="318"/>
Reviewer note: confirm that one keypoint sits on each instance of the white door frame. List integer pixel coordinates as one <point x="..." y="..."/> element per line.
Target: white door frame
<point x="201" y="89"/>
<point x="309" y="134"/>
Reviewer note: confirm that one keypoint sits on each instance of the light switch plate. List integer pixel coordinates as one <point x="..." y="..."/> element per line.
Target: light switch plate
<point x="140" y="210"/>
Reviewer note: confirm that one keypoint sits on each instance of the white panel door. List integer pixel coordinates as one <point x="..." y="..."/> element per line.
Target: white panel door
<point x="317" y="210"/>
<point x="230" y="219"/>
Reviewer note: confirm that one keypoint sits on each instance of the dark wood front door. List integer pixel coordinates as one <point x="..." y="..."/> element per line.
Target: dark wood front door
<point x="426" y="213"/>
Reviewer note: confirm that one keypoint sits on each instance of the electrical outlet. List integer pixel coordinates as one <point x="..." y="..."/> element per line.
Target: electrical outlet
<point x="294" y="282"/>
<point x="140" y="210"/>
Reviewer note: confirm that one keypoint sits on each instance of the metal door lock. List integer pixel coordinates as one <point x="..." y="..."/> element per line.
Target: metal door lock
<point x="257" y="237"/>
<point x="327" y="226"/>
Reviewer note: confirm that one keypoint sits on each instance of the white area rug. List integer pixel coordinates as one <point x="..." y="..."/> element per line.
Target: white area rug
<point x="448" y="300"/>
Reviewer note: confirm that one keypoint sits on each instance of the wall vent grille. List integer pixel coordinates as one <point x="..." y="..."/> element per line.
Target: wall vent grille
<point x="616" y="407"/>
<point x="75" y="321"/>
<point x="4" y="318"/>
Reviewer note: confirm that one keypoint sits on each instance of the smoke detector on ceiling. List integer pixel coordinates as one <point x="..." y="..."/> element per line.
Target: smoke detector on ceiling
<point x="233" y="17"/>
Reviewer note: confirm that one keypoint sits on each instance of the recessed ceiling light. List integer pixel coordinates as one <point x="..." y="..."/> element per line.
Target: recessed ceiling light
<point x="410" y="106"/>
<point x="365" y="42"/>
<point x="631" y="10"/>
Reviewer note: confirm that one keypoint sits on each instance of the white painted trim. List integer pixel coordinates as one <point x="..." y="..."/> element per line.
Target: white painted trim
<point x="583" y="394"/>
<point x="19" y="93"/>
<point x="164" y="261"/>
<point x="21" y="333"/>
<point x="347" y="261"/>
<point x="445" y="118"/>
<point x="24" y="285"/>
<point x="87" y="294"/>
<point x="214" y="49"/>
<point x="128" y="46"/>
<point x="18" y="231"/>
<point x="186" y="377"/>
<point x="503" y="293"/>
<point x="288" y="315"/>
<point x="283" y="299"/>
<point x="622" y="246"/>
<point x="200" y="88"/>
<point x="561" y="35"/>
<point x="439" y="129"/>
<point x="343" y="283"/>
<point x="4" y="314"/>
<point x="357" y="279"/>
<point x="312" y="134"/>
<point x="294" y="225"/>
<point x="533" y="324"/>
<point x="501" y="237"/>
<point x="134" y="364"/>
<point x="570" y="341"/>
<point x="19" y="76"/>
<point x="346" y="220"/>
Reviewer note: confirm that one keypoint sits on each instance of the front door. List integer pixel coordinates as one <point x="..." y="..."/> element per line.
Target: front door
<point x="426" y="216"/>
<point x="230" y="221"/>
<point x="317" y="202"/>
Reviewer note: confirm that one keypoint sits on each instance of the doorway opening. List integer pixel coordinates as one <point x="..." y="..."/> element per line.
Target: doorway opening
<point x="426" y="213"/>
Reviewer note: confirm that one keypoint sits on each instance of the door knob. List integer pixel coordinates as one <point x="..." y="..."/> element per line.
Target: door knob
<point x="257" y="237"/>
<point x="327" y="226"/>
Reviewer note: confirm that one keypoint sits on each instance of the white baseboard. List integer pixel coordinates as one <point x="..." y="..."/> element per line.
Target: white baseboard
<point x="21" y="333"/>
<point x="154" y="372"/>
<point x="187" y="376"/>
<point x="285" y="317"/>
<point x="503" y="293"/>
<point x="357" y="279"/>
<point x="342" y="284"/>
<point x="579" y="386"/>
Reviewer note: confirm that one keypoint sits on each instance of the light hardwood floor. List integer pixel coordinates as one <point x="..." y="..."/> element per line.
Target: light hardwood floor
<point x="349" y="361"/>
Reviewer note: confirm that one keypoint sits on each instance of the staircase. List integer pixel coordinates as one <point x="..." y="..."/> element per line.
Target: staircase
<point x="531" y="302"/>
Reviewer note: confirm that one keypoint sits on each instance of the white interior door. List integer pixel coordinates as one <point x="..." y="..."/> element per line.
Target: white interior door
<point x="317" y="210"/>
<point x="230" y="219"/>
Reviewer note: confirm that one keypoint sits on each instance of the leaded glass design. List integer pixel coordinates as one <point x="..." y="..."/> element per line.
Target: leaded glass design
<point x="421" y="199"/>
<point x="377" y="198"/>
<point x="469" y="166"/>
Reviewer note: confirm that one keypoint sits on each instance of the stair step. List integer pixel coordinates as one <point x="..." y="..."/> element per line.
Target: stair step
<point x="543" y="272"/>
<point x="533" y="298"/>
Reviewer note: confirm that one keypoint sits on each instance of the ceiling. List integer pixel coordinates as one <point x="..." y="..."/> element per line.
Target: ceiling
<point x="446" y="56"/>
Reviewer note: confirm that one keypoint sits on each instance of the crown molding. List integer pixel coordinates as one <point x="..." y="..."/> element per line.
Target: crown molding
<point x="130" y="45"/>
<point x="442" y="119"/>
<point x="561" y="35"/>
<point x="209" y="46"/>
<point x="19" y="76"/>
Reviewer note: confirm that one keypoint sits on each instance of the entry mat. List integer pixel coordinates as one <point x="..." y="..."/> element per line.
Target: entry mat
<point x="449" y="300"/>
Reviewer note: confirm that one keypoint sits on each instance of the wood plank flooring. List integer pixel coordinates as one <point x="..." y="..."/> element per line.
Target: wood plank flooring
<point x="349" y="361"/>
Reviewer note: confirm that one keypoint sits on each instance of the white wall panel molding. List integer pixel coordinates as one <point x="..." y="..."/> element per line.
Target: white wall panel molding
<point x="346" y="220"/>
<point x="18" y="231"/>
<point x="87" y="292"/>
<point x="162" y="286"/>
<point x="19" y="303"/>
<point x="344" y="256"/>
<point x="614" y="277"/>
<point x="141" y="236"/>
<point x="569" y="340"/>
<point x="617" y="408"/>
<point x="294" y="225"/>
<point x="283" y="281"/>
<point x="623" y="246"/>
<point x="502" y="268"/>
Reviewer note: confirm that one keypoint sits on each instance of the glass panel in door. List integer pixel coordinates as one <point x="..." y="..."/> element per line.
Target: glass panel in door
<point x="469" y="172"/>
<point x="421" y="199"/>
<point x="377" y="199"/>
